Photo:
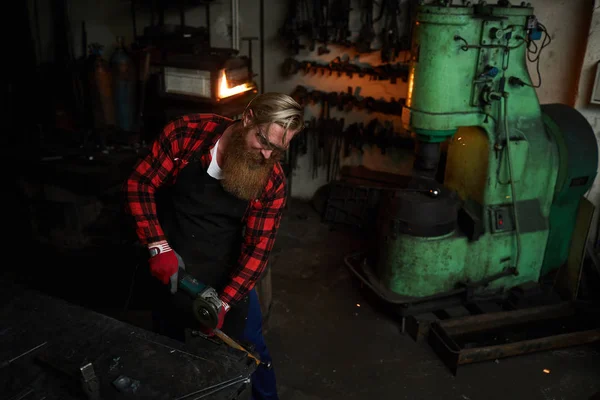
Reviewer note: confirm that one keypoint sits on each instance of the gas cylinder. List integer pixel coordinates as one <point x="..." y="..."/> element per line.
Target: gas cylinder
<point x="101" y="88"/>
<point x="125" y="80"/>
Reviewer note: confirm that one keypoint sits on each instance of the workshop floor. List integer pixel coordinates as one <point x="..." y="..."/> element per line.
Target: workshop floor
<point x="325" y="346"/>
<point x="330" y="341"/>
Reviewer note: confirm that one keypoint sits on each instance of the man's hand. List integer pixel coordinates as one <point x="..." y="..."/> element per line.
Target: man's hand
<point x="222" y="312"/>
<point x="221" y="318"/>
<point x="163" y="261"/>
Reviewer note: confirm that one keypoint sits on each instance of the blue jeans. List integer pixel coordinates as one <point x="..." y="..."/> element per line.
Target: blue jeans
<point x="263" y="379"/>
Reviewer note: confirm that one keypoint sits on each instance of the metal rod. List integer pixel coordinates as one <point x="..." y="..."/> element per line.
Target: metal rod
<point x="38" y="40"/>
<point x="24" y="354"/>
<point x="235" y="39"/>
<point x="232" y="343"/>
<point x="182" y="15"/>
<point x="244" y="380"/>
<point x="237" y="24"/>
<point x="133" y="21"/>
<point x="208" y="22"/>
<point x="20" y="396"/>
<point x="236" y="379"/>
<point x="250" y="58"/>
<point x="262" y="45"/>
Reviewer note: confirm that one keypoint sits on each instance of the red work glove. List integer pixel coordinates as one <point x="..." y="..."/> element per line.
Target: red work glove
<point x="163" y="262"/>
<point x="221" y="318"/>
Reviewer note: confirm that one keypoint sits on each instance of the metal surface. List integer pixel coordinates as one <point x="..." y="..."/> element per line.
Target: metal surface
<point x="477" y="338"/>
<point x="77" y="337"/>
<point x="428" y="212"/>
<point x="578" y="161"/>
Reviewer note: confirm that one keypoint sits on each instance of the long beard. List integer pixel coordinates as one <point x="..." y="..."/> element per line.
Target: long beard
<point x="245" y="173"/>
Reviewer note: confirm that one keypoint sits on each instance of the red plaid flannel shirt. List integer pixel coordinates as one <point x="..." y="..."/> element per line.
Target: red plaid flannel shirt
<point x="168" y="155"/>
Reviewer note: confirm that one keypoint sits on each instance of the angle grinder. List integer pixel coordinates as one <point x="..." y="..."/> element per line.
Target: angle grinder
<point x="206" y="300"/>
<point x="206" y="310"/>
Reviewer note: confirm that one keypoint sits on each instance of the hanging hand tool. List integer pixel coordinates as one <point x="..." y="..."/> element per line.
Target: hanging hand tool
<point x="390" y="36"/>
<point x="321" y="18"/>
<point x="297" y="25"/>
<point x="340" y="21"/>
<point x="323" y="130"/>
<point x="337" y="148"/>
<point x="367" y="33"/>
<point x="206" y="310"/>
<point x="347" y="101"/>
<point x="340" y="66"/>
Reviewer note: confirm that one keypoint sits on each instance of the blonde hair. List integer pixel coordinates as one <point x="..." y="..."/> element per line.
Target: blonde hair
<point x="276" y="108"/>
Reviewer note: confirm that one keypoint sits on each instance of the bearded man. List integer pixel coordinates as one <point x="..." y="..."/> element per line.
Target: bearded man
<point x="209" y="197"/>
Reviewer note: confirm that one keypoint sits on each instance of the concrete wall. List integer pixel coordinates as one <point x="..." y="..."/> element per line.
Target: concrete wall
<point x="567" y="22"/>
<point x="395" y="160"/>
<point x="589" y="66"/>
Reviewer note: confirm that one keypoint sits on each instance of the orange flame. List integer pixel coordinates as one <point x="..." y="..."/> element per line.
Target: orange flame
<point x="226" y="91"/>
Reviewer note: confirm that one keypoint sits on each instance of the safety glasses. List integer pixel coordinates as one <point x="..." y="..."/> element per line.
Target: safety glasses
<point x="264" y="142"/>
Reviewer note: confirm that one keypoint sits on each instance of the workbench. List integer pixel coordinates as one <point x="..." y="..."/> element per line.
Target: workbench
<point x="82" y="354"/>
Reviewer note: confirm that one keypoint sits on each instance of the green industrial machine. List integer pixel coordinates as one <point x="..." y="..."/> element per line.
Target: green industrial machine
<point x="514" y="171"/>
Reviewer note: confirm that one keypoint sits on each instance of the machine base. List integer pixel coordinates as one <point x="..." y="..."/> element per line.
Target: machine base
<point x="408" y="305"/>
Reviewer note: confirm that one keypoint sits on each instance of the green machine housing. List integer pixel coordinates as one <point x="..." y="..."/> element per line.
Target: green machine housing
<point x="515" y="170"/>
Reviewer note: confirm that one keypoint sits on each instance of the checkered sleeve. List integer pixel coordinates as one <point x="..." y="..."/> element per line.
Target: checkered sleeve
<point x="262" y="222"/>
<point x="167" y="155"/>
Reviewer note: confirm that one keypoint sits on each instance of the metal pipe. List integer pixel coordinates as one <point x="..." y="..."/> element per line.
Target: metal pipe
<point x="8" y="362"/>
<point x="208" y="23"/>
<point x="262" y="45"/>
<point x="245" y="381"/>
<point x="427" y="157"/>
<point x="235" y="34"/>
<point x="133" y="22"/>
<point x="512" y="183"/>
<point x="210" y="388"/>
<point x="182" y="15"/>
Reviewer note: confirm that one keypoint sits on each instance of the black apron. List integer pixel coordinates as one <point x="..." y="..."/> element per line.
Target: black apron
<point x="203" y="224"/>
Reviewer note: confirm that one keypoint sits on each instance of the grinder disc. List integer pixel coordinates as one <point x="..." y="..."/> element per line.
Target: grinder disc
<point x="205" y="312"/>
